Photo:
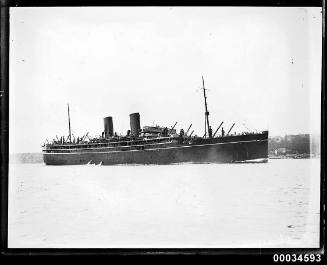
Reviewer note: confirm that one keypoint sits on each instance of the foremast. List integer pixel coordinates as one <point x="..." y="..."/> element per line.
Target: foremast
<point x="206" y="124"/>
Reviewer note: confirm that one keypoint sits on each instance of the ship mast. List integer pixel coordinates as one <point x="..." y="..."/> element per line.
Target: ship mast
<point x="206" y="124"/>
<point x="70" y="133"/>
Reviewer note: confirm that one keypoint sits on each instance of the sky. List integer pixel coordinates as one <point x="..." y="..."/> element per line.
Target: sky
<point x="261" y="66"/>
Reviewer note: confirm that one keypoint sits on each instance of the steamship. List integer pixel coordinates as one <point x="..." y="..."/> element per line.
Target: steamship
<point x="157" y="145"/>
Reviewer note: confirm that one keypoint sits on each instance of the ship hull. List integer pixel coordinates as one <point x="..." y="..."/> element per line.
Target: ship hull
<point x="224" y="150"/>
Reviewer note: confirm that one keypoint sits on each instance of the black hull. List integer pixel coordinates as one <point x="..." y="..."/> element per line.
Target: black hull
<point x="220" y="150"/>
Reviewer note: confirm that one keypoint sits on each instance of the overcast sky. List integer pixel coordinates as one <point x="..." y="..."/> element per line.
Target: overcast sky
<point x="262" y="67"/>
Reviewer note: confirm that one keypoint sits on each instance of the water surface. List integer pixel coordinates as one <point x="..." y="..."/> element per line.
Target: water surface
<point x="275" y="204"/>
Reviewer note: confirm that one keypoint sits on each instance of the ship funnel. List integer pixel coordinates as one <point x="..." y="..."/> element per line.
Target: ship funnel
<point x="108" y="127"/>
<point x="135" y="123"/>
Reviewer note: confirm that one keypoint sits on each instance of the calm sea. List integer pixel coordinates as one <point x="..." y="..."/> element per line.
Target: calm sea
<point x="190" y="205"/>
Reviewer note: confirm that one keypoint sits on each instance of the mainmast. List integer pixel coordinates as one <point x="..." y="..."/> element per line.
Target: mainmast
<point x="70" y="133"/>
<point x="206" y="108"/>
